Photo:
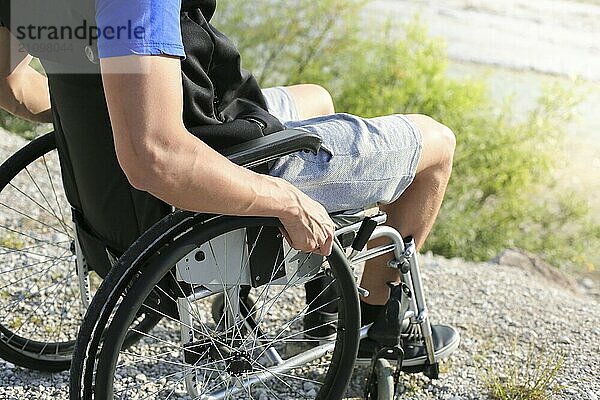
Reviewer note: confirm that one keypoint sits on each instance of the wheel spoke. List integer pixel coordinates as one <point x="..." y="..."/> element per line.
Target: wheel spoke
<point x="53" y="212"/>
<point x="32" y="237"/>
<point x="62" y="216"/>
<point x="25" y="250"/>
<point x="21" y="213"/>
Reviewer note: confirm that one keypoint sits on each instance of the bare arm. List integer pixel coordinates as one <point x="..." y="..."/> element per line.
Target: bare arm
<point x="160" y="156"/>
<point x="23" y="91"/>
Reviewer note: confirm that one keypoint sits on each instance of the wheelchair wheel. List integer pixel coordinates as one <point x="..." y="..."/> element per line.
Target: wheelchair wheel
<point x="41" y="306"/>
<point x="255" y="349"/>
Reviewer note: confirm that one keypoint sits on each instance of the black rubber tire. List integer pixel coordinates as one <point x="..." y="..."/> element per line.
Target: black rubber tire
<point x="141" y="268"/>
<point x="25" y="351"/>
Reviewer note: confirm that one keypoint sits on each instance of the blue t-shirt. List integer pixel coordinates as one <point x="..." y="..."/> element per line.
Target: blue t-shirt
<point x="143" y="27"/>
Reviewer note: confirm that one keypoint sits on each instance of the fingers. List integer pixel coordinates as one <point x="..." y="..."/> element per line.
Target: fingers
<point x="327" y="246"/>
<point x="325" y="243"/>
<point x="319" y="242"/>
<point x="286" y="235"/>
<point x="311" y="246"/>
<point x="311" y="230"/>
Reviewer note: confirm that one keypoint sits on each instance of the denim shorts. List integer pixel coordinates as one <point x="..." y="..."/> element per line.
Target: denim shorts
<point x="362" y="161"/>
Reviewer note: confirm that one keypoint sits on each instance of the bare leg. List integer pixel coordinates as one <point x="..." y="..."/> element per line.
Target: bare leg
<point x="414" y="213"/>
<point x="311" y="100"/>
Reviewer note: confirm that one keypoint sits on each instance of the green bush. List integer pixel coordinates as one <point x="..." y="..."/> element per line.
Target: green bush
<point x="21" y="127"/>
<point x="501" y="194"/>
<point x="28" y="130"/>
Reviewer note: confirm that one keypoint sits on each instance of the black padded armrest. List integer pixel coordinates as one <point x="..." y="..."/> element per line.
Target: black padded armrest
<point x="271" y="147"/>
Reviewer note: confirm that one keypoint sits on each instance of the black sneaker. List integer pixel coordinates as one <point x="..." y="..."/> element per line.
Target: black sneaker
<point x="320" y="325"/>
<point x="445" y="341"/>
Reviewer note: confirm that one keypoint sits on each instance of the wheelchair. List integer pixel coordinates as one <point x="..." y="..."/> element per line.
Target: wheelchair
<point x="200" y="306"/>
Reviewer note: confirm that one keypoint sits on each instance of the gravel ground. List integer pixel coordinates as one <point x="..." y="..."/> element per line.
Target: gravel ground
<point x="505" y="315"/>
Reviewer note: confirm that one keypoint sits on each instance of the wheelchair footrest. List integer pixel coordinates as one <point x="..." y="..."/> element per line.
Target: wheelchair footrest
<point x="432" y="371"/>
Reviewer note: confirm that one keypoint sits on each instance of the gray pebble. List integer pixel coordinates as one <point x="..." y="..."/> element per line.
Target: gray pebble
<point x="564" y="340"/>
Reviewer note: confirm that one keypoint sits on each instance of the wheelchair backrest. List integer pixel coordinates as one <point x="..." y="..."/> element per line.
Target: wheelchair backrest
<point x="109" y="213"/>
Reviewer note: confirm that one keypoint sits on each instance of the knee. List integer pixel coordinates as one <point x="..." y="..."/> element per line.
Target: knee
<point x="311" y="100"/>
<point x="439" y="142"/>
<point x="448" y="140"/>
<point x="323" y="98"/>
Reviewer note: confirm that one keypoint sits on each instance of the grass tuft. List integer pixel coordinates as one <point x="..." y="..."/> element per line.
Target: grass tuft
<point x="11" y="242"/>
<point x="531" y="379"/>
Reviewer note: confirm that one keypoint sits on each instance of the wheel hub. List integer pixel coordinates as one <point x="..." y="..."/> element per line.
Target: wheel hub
<point x="240" y="364"/>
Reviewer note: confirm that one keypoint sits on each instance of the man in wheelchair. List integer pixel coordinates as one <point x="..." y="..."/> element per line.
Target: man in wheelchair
<point x="175" y="99"/>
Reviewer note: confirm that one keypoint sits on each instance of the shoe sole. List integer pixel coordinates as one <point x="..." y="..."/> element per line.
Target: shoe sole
<point x="440" y="354"/>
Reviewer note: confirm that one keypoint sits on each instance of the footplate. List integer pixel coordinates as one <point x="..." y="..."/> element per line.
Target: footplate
<point x="432" y="371"/>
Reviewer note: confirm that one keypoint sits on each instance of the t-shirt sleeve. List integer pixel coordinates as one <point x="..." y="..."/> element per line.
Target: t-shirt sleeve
<point x="143" y="27"/>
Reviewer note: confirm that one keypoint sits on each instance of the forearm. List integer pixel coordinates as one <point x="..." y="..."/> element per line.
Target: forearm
<point x="190" y="175"/>
<point x="25" y="94"/>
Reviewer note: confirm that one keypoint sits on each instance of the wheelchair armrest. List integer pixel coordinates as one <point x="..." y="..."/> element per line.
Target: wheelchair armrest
<point x="271" y="147"/>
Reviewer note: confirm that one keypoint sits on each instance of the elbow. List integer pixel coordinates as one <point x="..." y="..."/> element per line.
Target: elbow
<point x="137" y="178"/>
<point x="138" y="175"/>
<point x="7" y="97"/>
<point x="144" y="166"/>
